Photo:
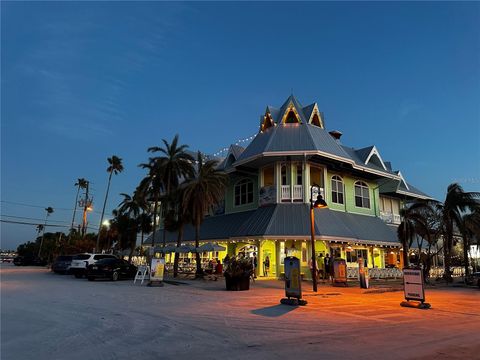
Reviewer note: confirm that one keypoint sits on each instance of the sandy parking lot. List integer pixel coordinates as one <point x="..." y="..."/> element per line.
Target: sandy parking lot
<point x="49" y="316"/>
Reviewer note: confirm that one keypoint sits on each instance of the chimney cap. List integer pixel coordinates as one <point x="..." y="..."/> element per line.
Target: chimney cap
<point x="336" y="134"/>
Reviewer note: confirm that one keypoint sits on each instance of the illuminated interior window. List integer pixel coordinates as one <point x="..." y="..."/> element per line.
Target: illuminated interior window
<point x="267" y="122"/>
<point x="316" y="176"/>
<point x="291" y="117"/>
<point x="268" y="176"/>
<point x="316" y="120"/>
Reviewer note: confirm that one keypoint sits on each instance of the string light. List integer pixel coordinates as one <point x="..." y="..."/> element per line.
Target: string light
<point x="222" y="152"/>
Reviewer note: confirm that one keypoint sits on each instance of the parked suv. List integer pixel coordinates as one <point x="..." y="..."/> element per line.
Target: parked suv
<point x="62" y="263"/>
<point x="81" y="261"/>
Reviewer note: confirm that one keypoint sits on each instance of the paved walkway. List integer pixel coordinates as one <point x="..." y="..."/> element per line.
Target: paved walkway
<point x="48" y="316"/>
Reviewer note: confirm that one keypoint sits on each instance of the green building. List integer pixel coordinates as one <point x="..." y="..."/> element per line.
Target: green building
<point x="267" y="202"/>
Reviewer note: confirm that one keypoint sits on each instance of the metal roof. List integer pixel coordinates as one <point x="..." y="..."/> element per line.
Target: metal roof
<point x="290" y="220"/>
<point x="294" y="137"/>
<point x="398" y="187"/>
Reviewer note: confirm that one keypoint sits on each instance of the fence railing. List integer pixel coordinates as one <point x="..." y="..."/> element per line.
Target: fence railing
<point x="395" y="273"/>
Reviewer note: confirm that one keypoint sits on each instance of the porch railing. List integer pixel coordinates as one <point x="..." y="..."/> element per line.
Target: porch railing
<point x="297" y="192"/>
<point x="286" y="194"/>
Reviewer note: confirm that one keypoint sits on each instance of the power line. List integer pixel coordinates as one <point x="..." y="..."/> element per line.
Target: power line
<point x="30" y="205"/>
<point x="43" y="207"/>
<point x="28" y="223"/>
<point x="29" y="218"/>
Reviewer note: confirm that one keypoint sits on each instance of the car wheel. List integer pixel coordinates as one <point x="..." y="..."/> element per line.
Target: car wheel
<point x="91" y="278"/>
<point x="78" y="276"/>
<point x="115" y="276"/>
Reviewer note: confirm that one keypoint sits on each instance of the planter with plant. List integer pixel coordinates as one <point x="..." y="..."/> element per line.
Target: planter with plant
<point x="237" y="273"/>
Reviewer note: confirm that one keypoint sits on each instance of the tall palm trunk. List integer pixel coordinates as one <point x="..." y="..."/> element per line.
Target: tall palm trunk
<point x="103" y="210"/>
<point x="466" y="245"/>
<point x="447" y="251"/>
<point x="155" y="209"/>
<point x="199" y="272"/>
<point x="165" y="211"/>
<point x="133" y="242"/>
<point x="177" y="256"/>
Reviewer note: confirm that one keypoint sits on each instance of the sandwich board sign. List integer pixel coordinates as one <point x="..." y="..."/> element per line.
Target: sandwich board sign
<point x="157" y="270"/>
<point x="293" y="283"/>
<point x="413" y="284"/>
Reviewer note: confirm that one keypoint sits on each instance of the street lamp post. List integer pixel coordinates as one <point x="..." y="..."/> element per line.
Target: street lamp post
<point x="319" y="203"/>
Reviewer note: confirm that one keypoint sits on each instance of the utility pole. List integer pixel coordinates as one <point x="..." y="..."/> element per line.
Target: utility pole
<point x="49" y="210"/>
<point x="86" y="204"/>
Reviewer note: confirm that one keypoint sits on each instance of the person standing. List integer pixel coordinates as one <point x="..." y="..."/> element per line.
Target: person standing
<point x="310" y="265"/>
<point x="266" y="266"/>
<point x="321" y="267"/>
<point x="327" y="265"/>
<point x="255" y="264"/>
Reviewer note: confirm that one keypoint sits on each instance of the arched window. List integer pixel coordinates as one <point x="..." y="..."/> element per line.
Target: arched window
<point x="337" y="189"/>
<point x="362" y="195"/>
<point x="244" y="192"/>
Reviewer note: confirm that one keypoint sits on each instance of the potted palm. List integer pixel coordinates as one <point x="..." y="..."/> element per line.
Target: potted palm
<point x="237" y="272"/>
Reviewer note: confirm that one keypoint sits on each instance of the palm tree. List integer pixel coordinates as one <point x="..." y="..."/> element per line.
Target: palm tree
<point x="174" y="165"/>
<point x="150" y="188"/>
<point x="80" y="184"/>
<point x="176" y="220"/>
<point x="115" y="167"/>
<point x="414" y="223"/>
<point x="202" y="192"/>
<point x="130" y="208"/>
<point x="470" y="229"/>
<point x="456" y="204"/>
<point x="49" y="210"/>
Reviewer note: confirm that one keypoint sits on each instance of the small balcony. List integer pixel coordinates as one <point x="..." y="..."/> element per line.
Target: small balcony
<point x="390" y="218"/>
<point x="291" y="192"/>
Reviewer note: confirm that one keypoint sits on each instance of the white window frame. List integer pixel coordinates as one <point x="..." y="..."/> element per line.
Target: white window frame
<point x="239" y="184"/>
<point x="338" y="179"/>
<point x="362" y="185"/>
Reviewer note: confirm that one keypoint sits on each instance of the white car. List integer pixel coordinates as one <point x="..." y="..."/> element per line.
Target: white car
<point x="81" y="261"/>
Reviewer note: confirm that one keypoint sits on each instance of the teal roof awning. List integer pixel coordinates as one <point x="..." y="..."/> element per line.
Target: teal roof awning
<point x="289" y="220"/>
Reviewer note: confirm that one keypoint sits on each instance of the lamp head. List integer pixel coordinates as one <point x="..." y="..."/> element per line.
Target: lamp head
<point x="320" y="203"/>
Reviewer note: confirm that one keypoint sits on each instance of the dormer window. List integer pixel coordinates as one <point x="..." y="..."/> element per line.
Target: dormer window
<point x="291" y="115"/>
<point x="316" y="120"/>
<point x="267" y="122"/>
<point x="291" y="118"/>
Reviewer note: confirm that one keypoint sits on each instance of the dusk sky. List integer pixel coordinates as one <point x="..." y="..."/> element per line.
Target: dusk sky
<point x="82" y="81"/>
